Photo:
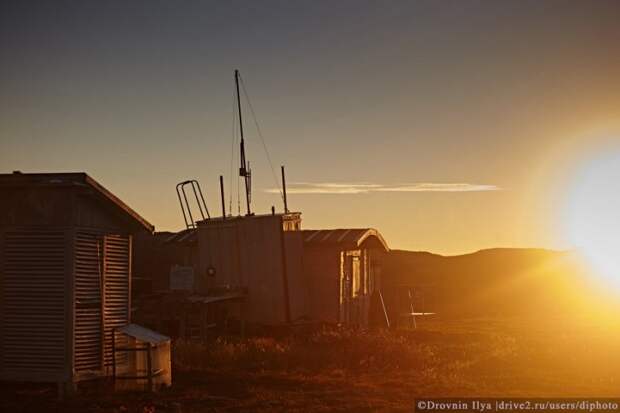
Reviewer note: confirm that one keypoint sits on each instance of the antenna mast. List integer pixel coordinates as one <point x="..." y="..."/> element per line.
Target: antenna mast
<point x="244" y="169"/>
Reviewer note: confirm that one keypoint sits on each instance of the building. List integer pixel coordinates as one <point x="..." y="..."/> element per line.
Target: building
<point x="261" y="254"/>
<point x="65" y="275"/>
<point x="283" y="273"/>
<point x="156" y="255"/>
<point x="342" y="268"/>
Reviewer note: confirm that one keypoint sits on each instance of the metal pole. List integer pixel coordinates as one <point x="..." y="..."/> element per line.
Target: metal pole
<point x="239" y="105"/>
<point x="243" y="171"/>
<point x="284" y="190"/>
<point x="222" y="194"/>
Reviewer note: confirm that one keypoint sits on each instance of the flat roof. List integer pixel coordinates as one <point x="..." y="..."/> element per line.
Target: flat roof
<point x="143" y="334"/>
<point x="232" y="218"/>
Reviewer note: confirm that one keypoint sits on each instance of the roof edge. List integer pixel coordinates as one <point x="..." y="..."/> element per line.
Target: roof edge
<point x="363" y="235"/>
<point x="116" y="200"/>
<point x="371" y="232"/>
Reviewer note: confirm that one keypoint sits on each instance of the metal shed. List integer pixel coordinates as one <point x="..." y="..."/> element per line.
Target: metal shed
<point x="342" y="268"/>
<point x="260" y="254"/>
<point x="65" y="275"/>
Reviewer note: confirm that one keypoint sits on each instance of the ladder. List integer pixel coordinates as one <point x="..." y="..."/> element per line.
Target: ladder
<point x="185" y="204"/>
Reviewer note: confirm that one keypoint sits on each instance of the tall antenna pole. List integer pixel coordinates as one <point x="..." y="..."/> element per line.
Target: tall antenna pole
<point x="244" y="170"/>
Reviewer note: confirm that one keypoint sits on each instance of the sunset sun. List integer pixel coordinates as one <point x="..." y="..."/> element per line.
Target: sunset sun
<point x="592" y="220"/>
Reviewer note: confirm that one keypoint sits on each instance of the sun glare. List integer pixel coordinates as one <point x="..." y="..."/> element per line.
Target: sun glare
<point x="592" y="215"/>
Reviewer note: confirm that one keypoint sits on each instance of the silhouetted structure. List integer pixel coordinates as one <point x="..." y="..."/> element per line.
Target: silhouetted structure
<point x="343" y="269"/>
<point x="284" y="274"/>
<point x="258" y="253"/>
<point x="65" y="275"/>
<point x="156" y="254"/>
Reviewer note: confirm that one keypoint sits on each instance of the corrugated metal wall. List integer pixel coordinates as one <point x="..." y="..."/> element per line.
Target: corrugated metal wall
<point x="100" y="260"/>
<point x="33" y="303"/>
<point x="38" y="269"/>
<point x="88" y="301"/>
<point x="117" y="274"/>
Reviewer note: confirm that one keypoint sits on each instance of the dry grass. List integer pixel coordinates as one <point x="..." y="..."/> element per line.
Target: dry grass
<point x="344" y="370"/>
<point x="325" y="350"/>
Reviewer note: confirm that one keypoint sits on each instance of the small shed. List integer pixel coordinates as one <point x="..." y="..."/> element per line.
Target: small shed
<point x="259" y="254"/>
<point x="147" y="363"/>
<point x="157" y="255"/>
<point x="342" y="268"/>
<point x="65" y="275"/>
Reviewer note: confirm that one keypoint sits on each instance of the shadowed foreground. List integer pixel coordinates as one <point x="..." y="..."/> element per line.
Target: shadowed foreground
<point x="348" y="371"/>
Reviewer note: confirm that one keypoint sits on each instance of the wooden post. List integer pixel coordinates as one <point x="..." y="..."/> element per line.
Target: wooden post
<point x="149" y="367"/>
<point x="60" y="386"/>
<point x="114" y="355"/>
<point x="242" y="321"/>
<point x="204" y="310"/>
<point x="182" y="325"/>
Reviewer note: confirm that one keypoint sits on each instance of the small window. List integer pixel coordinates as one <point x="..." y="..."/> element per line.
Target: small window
<point x="356" y="275"/>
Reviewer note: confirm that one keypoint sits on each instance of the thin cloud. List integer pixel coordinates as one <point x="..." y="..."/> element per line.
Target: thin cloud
<point x="365" y="188"/>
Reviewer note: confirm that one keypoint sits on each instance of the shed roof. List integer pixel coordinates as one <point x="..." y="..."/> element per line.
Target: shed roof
<point x="143" y="334"/>
<point x="77" y="179"/>
<point x="348" y="238"/>
<point x="187" y="236"/>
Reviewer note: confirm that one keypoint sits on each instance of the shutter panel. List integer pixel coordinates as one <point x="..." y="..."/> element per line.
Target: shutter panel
<point x="88" y="295"/>
<point x="116" y="302"/>
<point x="33" y="295"/>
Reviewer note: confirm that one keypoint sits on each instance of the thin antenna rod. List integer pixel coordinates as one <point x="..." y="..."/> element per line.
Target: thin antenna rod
<point x="244" y="171"/>
<point x="222" y="193"/>
<point x="284" y="190"/>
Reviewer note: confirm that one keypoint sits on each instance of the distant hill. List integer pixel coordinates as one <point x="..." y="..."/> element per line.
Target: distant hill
<point x="492" y="282"/>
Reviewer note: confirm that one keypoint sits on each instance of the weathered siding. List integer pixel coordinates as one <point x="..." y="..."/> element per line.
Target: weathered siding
<point x="322" y="272"/>
<point x="34" y="206"/>
<point x="247" y="252"/>
<point x="88" y="270"/>
<point x="297" y="281"/>
<point x="34" y="294"/>
<point x="65" y="268"/>
<point x="117" y="293"/>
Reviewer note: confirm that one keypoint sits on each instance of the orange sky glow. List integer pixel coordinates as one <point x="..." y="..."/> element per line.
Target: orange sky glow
<point x="449" y="127"/>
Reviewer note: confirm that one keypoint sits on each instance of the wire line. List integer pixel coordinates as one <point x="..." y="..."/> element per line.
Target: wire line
<point x="260" y="135"/>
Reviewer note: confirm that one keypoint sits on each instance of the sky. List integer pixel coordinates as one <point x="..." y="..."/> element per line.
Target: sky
<point x="450" y="126"/>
